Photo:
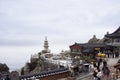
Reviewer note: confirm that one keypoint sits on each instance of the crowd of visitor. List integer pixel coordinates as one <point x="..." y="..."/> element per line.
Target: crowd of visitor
<point x="103" y="71"/>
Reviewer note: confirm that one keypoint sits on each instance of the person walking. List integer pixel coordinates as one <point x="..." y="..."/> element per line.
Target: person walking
<point x="99" y="63"/>
<point x="104" y="63"/>
<point x="96" y="73"/>
<point x="106" y="73"/>
<point x="7" y="77"/>
<point x="99" y="75"/>
<point x="116" y="73"/>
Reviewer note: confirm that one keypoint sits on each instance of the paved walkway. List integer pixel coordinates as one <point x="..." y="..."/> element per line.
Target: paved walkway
<point x="87" y="76"/>
<point x="112" y="61"/>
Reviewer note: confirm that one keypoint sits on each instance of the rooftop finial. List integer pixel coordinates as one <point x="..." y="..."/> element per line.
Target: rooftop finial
<point x="94" y="36"/>
<point x="45" y="38"/>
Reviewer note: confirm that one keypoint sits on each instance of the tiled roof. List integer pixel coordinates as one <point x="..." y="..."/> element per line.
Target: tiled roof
<point x="92" y="45"/>
<point x="114" y="34"/>
<point x="45" y="73"/>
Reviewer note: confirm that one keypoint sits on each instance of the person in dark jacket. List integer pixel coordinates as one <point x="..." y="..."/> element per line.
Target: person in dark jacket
<point x="7" y="77"/>
<point x="106" y="73"/>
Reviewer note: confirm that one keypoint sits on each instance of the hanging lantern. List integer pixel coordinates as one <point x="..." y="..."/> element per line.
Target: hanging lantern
<point x="101" y="55"/>
<point x="97" y="48"/>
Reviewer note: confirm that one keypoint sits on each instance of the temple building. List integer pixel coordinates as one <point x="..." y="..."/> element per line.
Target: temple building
<point x="87" y="49"/>
<point x="75" y="50"/>
<point x="93" y="46"/>
<point x="110" y="45"/>
<point x="114" y="41"/>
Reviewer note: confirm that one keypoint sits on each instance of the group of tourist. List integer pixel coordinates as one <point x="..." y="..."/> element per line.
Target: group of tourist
<point x="99" y="71"/>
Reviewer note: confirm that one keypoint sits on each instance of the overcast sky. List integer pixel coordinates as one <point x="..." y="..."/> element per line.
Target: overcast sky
<point x="25" y="23"/>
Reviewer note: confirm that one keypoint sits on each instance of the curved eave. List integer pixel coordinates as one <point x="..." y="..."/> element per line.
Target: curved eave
<point x="112" y="35"/>
<point x="94" y="45"/>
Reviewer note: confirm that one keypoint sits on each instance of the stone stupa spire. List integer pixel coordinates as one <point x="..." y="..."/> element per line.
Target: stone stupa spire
<point x="46" y="46"/>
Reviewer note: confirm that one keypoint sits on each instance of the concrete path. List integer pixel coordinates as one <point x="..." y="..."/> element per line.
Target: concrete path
<point x="112" y="61"/>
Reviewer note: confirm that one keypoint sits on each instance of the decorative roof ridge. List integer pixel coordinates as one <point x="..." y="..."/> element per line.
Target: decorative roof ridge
<point x="81" y="43"/>
<point x="116" y="31"/>
<point x="115" y="34"/>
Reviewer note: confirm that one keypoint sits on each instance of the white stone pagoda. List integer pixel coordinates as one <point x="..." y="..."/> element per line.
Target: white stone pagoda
<point x="46" y="47"/>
